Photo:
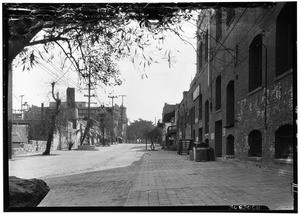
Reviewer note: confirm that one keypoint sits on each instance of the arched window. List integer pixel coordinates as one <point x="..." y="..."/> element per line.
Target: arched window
<point x="218" y="93"/>
<point x="230" y="15"/>
<point x="284" y="142"/>
<point x="230" y="104"/>
<point x="255" y="63"/>
<point x="218" y="24"/>
<point x="285" y="38"/>
<point x="230" y="145"/>
<point x="206" y="45"/>
<point x="200" y="107"/>
<point x="255" y="144"/>
<point x="206" y="117"/>
<point x="200" y="56"/>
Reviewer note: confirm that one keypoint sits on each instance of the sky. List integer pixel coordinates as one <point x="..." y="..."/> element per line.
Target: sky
<point x="145" y="97"/>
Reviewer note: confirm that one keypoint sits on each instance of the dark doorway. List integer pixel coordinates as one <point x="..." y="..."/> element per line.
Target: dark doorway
<point x="206" y="118"/>
<point x="218" y="138"/>
<point x="230" y="145"/>
<point x="284" y="142"/>
<point x="200" y="135"/>
<point x="193" y="135"/>
<point x="255" y="144"/>
<point x="230" y="104"/>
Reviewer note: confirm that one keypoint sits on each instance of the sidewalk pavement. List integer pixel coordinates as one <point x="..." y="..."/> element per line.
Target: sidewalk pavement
<point x="164" y="178"/>
<point x="167" y="179"/>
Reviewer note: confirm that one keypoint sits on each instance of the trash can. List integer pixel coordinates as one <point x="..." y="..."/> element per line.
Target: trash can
<point x="191" y="154"/>
<point x="195" y="145"/>
<point x="210" y="154"/>
<point x="201" y="154"/>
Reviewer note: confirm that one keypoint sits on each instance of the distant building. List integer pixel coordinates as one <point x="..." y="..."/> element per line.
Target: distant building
<point x="169" y="130"/>
<point x="76" y="114"/>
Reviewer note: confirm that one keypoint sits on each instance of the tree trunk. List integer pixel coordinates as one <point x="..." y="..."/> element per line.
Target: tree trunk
<point x="103" y="135"/>
<point x="49" y="141"/>
<point x="52" y="127"/>
<point x="8" y="86"/>
<point x="11" y="49"/>
<point x="86" y="130"/>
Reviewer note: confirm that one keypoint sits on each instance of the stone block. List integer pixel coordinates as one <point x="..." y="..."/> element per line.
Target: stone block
<point x="26" y="192"/>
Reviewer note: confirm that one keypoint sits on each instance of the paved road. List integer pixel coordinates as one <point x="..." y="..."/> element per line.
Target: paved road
<point x="62" y="163"/>
<point x="155" y="178"/>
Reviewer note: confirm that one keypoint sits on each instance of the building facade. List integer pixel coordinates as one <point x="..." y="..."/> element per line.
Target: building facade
<point x="242" y="99"/>
<point x="169" y="127"/>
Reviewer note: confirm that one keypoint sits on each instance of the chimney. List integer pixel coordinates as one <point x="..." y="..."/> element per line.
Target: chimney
<point x="71" y="97"/>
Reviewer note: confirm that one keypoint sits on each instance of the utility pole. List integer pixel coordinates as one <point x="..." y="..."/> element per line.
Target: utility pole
<point x="122" y="108"/>
<point x="21" y="106"/>
<point x="112" y="109"/>
<point x="87" y="130"/>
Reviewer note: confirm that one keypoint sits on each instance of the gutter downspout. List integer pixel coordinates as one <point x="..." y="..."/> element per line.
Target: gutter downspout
<point x="266" y="71"/>
<point x="208" y="57"/>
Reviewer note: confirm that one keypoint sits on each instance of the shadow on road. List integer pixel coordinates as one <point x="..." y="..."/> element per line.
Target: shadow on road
<point x="36" y="155"/>
<point x="102" y="188"/>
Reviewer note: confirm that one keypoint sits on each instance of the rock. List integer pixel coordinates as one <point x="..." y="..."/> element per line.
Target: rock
<point x="26" y="192"/>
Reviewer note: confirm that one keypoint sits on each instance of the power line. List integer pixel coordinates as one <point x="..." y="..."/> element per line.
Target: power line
<point x="57" y="69"/>
<point x="42" y="66"/>
<point x="16" y="97"/>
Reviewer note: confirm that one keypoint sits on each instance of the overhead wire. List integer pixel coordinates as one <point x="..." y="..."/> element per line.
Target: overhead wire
<point x="58" y="70"/>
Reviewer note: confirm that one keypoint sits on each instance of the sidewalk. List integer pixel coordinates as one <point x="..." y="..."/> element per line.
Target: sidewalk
<point x="164" y="178"/>
<point x="167" y="179"/>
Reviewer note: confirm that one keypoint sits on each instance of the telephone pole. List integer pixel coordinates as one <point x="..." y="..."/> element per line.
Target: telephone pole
<point x="112" y="109"/>
<point x="89" y="107"/>
<point x="122" y="109"/>
<point x="21" y="106"/>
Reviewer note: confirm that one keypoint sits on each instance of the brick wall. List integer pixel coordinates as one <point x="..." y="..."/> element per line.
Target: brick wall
<point x="230" y="60"/>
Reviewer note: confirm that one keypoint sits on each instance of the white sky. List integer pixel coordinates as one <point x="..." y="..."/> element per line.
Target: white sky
<point x="145" y="97"/>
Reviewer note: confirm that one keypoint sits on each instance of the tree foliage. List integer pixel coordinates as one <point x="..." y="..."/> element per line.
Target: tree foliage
<point x="93" y="37"/>
<point x="154" y="134"/>
<point x="139" y="129"/>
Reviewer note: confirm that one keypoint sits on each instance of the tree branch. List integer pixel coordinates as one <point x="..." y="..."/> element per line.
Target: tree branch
<point x="70" y="56"/>
<point x="44" y="41"/>
<point x="184" y="40"/>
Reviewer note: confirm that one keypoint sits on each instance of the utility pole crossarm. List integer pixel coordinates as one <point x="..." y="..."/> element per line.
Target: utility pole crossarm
<point x="112" y="100"/>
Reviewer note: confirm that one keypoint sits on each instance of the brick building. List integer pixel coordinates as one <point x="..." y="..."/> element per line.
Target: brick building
<point x="169" y="127"/>
<point x="242" y="98"/>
